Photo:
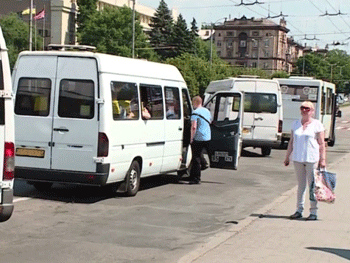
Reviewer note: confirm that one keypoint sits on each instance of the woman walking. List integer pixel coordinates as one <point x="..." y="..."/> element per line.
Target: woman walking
<point x="307" y="147"/>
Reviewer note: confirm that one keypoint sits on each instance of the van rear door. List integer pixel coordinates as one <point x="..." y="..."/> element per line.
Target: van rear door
<point x="224" y="149"/>
<point x="266" y="119"/>
<point x="34" y="81"/>
<point x="75" y="117"/>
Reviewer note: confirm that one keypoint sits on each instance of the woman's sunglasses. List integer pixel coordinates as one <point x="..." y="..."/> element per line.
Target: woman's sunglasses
<point x="305" y="108"/>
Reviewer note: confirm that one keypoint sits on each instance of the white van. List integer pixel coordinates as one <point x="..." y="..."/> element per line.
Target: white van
<point x="295" y="90"/>
<point x="263" y="113"/>
<point x="80" y="119"/>
<point x="6" y="135"/>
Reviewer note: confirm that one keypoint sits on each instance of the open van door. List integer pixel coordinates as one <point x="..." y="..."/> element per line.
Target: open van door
<point x="226" y="109"/>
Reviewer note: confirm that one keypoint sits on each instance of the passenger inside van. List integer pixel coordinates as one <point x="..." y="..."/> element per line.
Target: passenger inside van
<point x="145" y="112"/>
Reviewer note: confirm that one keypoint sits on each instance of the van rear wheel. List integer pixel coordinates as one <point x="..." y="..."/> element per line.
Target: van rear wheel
<point x="265" y="151"/>
<point x="133" y="179"/>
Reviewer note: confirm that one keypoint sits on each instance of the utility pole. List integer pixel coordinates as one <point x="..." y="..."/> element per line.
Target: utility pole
<point x="332" y="71"/>
<point x="133" y="28"/>
<point x="30" y="26"/>
<point x="211" y="38"/>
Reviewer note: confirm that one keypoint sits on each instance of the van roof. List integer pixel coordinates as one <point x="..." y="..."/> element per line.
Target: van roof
<point x="226" y="84"/>
<point x="119" y="65"/>
<point x="302" y="81"/>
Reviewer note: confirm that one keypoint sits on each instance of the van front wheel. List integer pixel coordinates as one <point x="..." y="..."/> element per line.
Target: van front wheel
<point x="133" y="179"/>
<point x="265" y="151"/>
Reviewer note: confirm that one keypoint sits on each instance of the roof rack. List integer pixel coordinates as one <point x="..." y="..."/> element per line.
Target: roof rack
<point x="70" y="47"/>
<point x="301" y="77"/>
<point x="248" y="76"/>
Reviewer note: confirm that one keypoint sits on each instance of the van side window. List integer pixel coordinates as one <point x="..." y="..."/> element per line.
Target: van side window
<point x="329" y="101"/>
<point x="227" y="107"/>
<point x="172" y="103"/>
<point x="186" y="105"/>
<point x="152" y="100"/>
<point x="125" y="102"/>
<point x="299" y="93"/>
<point x="260" y="102"/>
<point x="1" y="77"/>
<point x="33" y="97"/>
<point x="76" y="99"/>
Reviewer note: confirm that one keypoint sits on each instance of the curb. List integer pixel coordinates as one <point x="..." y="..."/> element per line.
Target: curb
<point x="223" y="236"/>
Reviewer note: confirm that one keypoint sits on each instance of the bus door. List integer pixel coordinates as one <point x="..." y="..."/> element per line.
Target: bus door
<point x="226" y="109"/>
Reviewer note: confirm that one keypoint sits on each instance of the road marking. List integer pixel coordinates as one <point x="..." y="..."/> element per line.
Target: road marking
<point x="21" y="199"/>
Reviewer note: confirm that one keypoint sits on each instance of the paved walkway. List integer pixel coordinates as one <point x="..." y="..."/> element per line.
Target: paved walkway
<point x="269" y="236"/>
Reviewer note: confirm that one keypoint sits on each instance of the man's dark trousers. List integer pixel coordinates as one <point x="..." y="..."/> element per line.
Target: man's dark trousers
<point x="197" y="148"/>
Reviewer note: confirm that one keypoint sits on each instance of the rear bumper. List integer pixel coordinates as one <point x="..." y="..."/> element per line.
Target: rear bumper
<point x="6" y="208"/>
<point x="98" y="178"/>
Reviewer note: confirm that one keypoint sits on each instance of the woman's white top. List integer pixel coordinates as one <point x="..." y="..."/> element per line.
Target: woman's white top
<point x="305" y="145"/>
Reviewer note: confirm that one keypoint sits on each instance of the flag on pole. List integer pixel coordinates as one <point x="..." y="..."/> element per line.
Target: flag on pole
<point x="27" y="11"/>
<point x="40" y="15"/>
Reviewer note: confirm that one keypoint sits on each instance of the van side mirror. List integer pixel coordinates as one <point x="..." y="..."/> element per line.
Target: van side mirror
<point x="338" y="114"/>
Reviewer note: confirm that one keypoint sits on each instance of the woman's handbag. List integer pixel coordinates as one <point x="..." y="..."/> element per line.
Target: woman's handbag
<point x="324" y="186"/>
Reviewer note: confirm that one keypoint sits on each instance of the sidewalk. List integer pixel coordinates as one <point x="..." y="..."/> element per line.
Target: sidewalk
<point x="273" y="237"/>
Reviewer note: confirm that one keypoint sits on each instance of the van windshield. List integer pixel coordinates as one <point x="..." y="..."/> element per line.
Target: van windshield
<point x="260" y="102"/>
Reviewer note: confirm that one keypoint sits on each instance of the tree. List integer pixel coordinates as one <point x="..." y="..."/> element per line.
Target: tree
<point x="16" y="34"/>
<point x="162" y="31"/>
<point x="181" y="38"/>
<point x="86" y="9"/>
<point x="110" y="31"/>
<point x="280" y="74"/>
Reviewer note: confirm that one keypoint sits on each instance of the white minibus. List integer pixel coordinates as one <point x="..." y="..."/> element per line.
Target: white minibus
<point x="263" y="113"/>
<point x="6" y="135"/>
<point x="295" y="90"/>
<point x="97" y="119"/>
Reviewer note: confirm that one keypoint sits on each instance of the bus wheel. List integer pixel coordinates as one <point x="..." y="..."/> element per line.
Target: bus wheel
<point x="42" y="186"/>
<point x="265" y="151"/>
<point x="133" y="179"/>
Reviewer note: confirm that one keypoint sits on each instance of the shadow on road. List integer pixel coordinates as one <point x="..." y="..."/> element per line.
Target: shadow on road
<point x="344" y="253"/>
<point x="85" y="194"/>
<point x="271" y="216"/>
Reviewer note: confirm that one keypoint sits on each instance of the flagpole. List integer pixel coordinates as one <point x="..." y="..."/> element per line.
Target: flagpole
<point x="44" y="29"/>
<point x="31" y="26"/>
<point x="34" y="34"/>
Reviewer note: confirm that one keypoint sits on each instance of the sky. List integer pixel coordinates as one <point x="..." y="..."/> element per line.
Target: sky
<point x="311" y="22"/>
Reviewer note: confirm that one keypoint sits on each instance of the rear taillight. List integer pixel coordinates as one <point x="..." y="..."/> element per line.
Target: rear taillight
<point x="9" y="161"/>
<point x="102" y="145"/>
<point x="280" y="124"/>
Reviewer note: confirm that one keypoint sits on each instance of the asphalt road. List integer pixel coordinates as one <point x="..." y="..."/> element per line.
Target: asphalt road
<point x="162" y="223"/>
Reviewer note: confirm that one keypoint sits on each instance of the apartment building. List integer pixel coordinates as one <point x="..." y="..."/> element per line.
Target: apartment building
<point x="58" y="25"/>
<point x="257" y="43"/>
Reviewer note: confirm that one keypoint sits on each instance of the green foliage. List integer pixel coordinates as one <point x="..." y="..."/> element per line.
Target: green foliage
<point x="110" y="31"/>
<point x="333" y="67"/>
<point x="16" y="34"/>
<point x="162" y="31"/>
<point x="86" y="9"/>
<point x="280" y="74"/>
<point x="181" y="38"/>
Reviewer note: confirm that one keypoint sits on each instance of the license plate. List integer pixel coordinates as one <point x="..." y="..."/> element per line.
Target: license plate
<point x="246" y="130"/>
<point x="30" y="152"/>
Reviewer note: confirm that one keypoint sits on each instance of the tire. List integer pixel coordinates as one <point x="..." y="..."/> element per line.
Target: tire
<point x="42" y="186"/>
<point x="265" y="151"/>
<point x="133" y="179"/>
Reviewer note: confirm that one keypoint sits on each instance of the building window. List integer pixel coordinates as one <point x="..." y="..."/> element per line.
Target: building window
<point x="255" y="33"/>
<point x="266" y="54"/>
<point x="254" y="65"/>
<point x="219" y="34"/>
<point x="207" y="33"/>
<point x="229" y="34"/>
<point x="265" y="65"/>
<point x="219" y="43"/>
<point x="255" y="54"/>
<point x="255" y="43"/>
<point x="229" y="44"/>
<point x="242" y="43"/>
<point x="229" y="54"/>
<point x="267" y="42"/>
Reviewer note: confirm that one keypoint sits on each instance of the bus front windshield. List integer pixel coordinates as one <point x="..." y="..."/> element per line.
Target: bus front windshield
<point x="300" y="92"/>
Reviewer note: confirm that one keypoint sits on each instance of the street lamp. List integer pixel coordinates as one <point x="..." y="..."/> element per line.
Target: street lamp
<point x="211" y="38"/>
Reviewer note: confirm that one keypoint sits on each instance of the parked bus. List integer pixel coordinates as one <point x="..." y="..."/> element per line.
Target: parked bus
<point x="6" y="135"/>
<point x="295" y="90"/>
<point x="80" y="119"/>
